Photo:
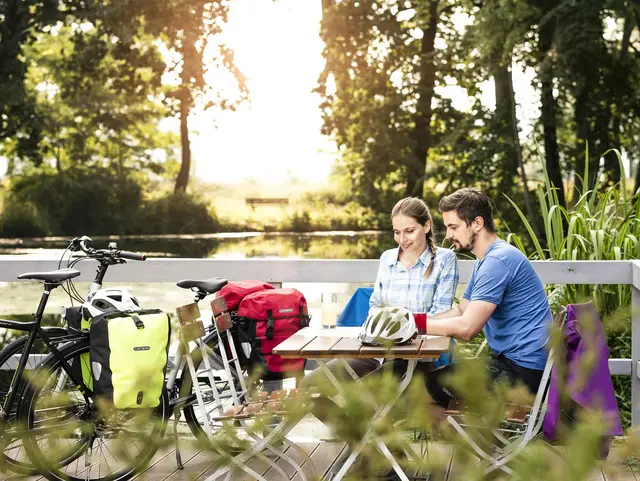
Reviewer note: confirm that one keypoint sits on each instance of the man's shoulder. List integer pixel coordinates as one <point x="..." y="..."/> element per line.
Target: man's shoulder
<point x="505" y="252"/>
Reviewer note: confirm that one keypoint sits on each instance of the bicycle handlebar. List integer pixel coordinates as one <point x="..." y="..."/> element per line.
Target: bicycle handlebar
<point x="131" y="255"/>
<point x="111" y="253"/>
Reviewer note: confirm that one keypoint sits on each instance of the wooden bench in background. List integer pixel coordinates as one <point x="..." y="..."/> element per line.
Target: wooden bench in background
<point x="253" y="201"/>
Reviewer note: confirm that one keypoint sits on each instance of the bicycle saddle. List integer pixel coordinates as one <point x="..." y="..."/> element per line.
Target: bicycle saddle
<point x="208" y="285"/>
<point x="54" y="277"/>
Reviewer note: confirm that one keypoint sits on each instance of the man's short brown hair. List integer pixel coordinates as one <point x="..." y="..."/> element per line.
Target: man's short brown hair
<point x="470" y="203"/>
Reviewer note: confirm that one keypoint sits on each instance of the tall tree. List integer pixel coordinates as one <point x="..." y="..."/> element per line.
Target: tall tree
<point x="91" y="93"/>
<point x="548" y="102"/>
<point x="379" y="89"/>
<point x="20" y="22"/>
<point x="427" y="21"/>
<point x="191" y="30"/>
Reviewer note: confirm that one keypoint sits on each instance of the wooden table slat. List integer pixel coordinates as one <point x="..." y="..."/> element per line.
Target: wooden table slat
<point x="346" y="345"/>
<point x="319" y="346"/>
<point x="435" y="346"/>
<point x="294" y="344"/>
<point x="374" y="350"/>
<point x="411" y="348"/>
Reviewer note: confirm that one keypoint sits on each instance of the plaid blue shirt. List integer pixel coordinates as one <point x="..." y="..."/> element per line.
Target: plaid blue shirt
<point x="397" y="286"/>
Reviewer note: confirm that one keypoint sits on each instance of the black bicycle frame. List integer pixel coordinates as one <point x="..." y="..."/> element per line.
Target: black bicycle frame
<point x="34" y="328"/>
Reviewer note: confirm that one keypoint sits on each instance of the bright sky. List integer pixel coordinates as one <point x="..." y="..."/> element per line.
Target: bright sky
<point x="276" y="135"/>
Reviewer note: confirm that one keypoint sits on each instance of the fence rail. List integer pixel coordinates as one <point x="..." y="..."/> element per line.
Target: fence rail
<point x="355" y="271"/>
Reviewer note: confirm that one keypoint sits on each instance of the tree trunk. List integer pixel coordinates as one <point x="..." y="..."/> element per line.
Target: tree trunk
<point x="189" y="77"/>
<point x="504" y="126"/>
<point x="548" y="110"/>
<point x="185" y="167"/>
<point x="508" y="128"/>
<point x="612" y="165"/>
<point x="586" y="144"/>
<point x="416" y="163"/>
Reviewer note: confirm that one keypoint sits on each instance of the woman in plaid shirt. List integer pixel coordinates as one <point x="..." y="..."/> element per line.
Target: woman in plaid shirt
<point x="416" y="275"/>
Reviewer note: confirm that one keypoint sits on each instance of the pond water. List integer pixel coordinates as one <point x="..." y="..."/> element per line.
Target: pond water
<point x="20" y="299"/>
<point x="317" y="245"/>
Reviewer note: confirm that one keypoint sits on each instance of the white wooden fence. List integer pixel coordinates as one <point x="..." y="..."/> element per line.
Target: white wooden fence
<point x="354" y="271"/>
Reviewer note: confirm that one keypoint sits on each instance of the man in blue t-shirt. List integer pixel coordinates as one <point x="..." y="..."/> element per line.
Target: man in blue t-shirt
<point x="504" y="297"/>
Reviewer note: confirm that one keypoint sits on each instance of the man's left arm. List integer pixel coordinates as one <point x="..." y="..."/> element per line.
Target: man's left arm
<point x="466" y="326"/>
<point x="489" y="285"/>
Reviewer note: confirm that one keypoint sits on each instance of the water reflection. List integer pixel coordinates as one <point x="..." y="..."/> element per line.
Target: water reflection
<point x="321" y="245"/>
<point x="317" y="245"/>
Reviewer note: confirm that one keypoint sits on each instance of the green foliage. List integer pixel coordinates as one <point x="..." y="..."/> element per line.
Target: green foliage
<point x="95" y="100"/>
<point x="177" y="213"/>
<point x="327" y="217"/>
<point x="602" y="225"/>
<point x="95" y="201"/>
<point x="380" y="102"/>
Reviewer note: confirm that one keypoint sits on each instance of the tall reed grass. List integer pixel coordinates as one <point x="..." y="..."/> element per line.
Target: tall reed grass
<point x="602" y="223"/>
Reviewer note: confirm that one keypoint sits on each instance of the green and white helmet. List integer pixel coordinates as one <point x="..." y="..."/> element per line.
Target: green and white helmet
<point x="388" y="324"/>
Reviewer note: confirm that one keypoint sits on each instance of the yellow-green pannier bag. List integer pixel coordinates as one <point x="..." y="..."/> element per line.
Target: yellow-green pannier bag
<point x="129" y="357"/>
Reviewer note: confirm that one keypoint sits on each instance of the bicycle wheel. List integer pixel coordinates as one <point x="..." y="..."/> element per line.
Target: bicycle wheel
<point x="14" y="454"/>
<point x="193" y="413"/>
<point x="59" y="419"/>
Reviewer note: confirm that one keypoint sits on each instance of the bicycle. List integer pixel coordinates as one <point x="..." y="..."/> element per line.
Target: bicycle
<point x="78" y="423"/>
<point x="179" y="381"/>
<point x="13" y="456"/>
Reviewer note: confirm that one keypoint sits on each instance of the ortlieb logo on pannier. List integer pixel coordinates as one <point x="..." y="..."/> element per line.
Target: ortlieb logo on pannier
<point x="129" y="357"/>
<point x="265" y="319"/>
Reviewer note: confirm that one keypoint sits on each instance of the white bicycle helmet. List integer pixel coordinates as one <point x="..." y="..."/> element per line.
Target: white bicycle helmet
<point x="109" y="300"/>
<point x="388" y="324"/>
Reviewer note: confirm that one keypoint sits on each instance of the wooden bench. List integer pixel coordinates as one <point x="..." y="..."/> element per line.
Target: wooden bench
<point x="253" y="201"/>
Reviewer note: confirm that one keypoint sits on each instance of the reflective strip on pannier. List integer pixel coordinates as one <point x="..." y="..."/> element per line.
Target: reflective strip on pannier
<point x="129" y="357"/>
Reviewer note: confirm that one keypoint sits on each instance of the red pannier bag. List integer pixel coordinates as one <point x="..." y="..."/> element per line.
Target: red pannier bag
<point x="233" y="294"/>
<point x="267" y="318"/>
<point x="235" y="291"/>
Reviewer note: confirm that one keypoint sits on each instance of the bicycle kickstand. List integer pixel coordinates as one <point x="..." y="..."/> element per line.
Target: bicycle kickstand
<point x="87" y="457"/>
<point x="176" y="419"/>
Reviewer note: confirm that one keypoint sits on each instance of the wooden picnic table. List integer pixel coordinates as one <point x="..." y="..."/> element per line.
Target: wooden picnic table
<point x="342" y="342"/>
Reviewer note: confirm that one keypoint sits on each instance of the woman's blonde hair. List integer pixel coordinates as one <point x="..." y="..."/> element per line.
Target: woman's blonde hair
<point x="418" y="210"/>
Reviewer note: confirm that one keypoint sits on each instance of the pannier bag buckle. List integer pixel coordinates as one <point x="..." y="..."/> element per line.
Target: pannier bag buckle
<point x="270" y="325"/>
<point x="305" y="319"/>
<point x="138" y="321"/>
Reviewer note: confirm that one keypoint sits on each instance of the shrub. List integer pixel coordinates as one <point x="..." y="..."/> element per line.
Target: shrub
<point x="177" y="214"/>
<point x="96" y="202"/>
<point x="602" y="225"/>
<point x="20" y="219"/>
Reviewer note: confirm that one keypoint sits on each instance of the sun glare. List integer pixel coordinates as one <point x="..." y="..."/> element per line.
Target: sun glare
<point x="276" y="136"/>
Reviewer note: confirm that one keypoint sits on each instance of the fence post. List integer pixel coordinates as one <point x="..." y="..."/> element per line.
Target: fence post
<point x="635" y="345"/>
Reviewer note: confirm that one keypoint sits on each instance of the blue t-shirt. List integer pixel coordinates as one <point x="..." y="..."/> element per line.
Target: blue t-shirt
<point x="519" y="327"/>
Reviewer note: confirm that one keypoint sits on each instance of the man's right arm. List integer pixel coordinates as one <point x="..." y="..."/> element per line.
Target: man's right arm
<point x="453" y="312"/>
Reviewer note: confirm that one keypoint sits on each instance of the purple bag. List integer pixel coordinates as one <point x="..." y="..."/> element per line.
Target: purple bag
<point x="591" y="390"/>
